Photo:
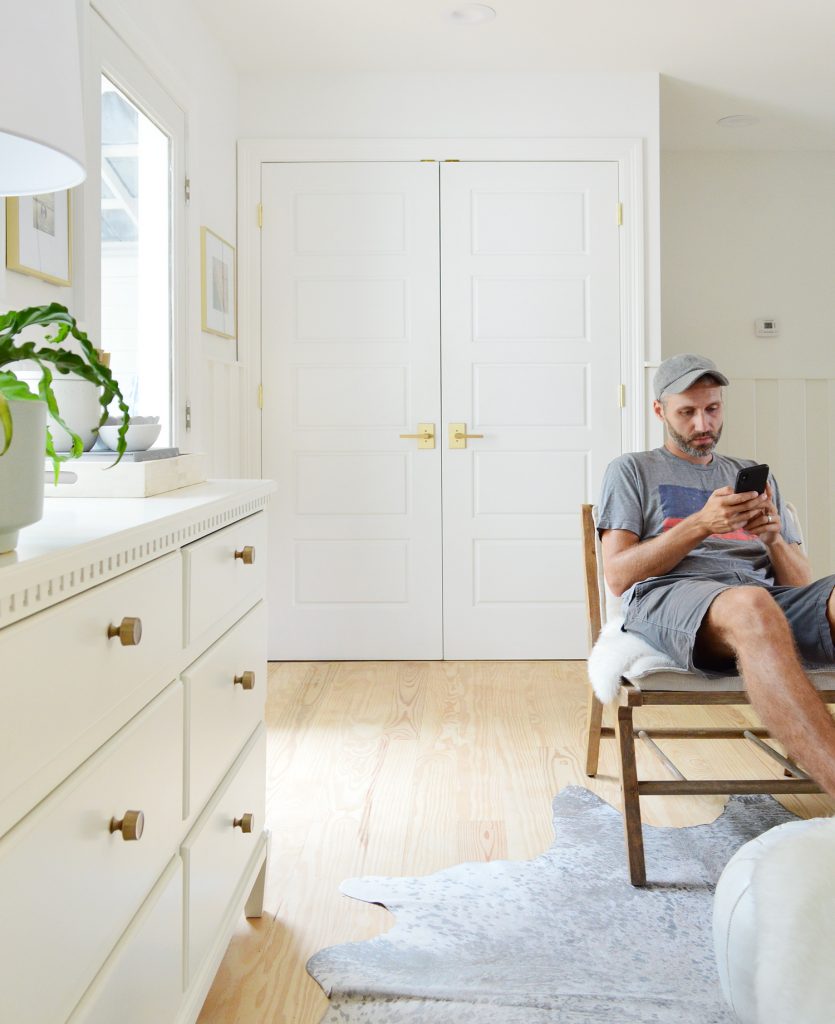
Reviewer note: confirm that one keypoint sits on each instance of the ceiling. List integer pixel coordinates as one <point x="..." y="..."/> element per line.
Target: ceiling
<point x="769" y="58"/>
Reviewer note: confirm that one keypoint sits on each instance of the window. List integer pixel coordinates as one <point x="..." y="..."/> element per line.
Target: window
<point x="136" y="255"/>
<point x="137" y="251"/>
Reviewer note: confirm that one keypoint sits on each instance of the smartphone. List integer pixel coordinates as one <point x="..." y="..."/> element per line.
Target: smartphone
<point x="752" y="478"/>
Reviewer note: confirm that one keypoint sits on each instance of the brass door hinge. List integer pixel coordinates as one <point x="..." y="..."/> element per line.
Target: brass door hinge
<point x="187" y="190"/>
<point x="260" y="215"/>
<point x="620" y="215"/>
<point x="260" y="396"/>
<point x="621" y="396"/>
<point x="428" y="160"/>
<point x="452" y="160"/>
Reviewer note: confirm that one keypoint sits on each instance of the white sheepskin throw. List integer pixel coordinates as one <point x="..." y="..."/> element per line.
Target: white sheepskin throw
<point x="794" y="898"/>
<point x="616" y="654"/>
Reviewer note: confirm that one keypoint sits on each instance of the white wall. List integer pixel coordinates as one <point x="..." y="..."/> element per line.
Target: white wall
<point x="449" y="104"/>
<point x="747" y="236"/>
<point x="469" y="105"/>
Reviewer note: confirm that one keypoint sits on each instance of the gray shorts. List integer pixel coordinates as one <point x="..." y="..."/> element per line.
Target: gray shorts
<point x="667" y="612"/>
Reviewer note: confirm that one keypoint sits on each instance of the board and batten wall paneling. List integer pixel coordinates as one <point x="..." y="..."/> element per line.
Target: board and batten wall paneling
<point x="790" y="424"/>
<point x="224" y="384"/>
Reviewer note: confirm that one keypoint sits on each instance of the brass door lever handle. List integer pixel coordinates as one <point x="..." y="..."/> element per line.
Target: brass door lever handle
<point x="458" y="435"/>
<point x="425" y="437"/>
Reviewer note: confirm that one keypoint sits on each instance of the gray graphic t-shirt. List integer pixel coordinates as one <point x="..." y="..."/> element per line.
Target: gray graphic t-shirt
<point x="649" y="492"/>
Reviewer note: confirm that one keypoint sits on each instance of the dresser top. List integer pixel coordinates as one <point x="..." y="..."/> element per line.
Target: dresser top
<point x="80" y="542"/>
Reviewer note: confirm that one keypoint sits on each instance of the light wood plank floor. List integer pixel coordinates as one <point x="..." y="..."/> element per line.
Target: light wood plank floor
<point x="403" y="768"/>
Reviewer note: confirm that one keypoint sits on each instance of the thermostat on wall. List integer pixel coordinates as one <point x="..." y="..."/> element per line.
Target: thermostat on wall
<point x="766" y="328"/>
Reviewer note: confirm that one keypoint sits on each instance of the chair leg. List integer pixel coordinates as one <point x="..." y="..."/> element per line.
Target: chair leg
<point x="631" y="800"/>
<point x="595" y="723"/>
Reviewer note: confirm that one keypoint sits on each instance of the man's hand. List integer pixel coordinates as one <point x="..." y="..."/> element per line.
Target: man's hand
<point x="627" y="559"/>
<point x="766" y="523"/>
<point x="725" y="512"/>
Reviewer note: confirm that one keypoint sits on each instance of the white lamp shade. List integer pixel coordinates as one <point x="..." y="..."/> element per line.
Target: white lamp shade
<point x="41" y="127"/>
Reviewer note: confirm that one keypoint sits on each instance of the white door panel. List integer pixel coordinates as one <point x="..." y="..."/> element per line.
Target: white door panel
<point x="531" y="360"/>
<point x="350" y="349"/>
<point x="360" y="315"/>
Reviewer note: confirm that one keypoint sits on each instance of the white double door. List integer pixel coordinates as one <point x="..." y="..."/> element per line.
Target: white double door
<point x="400" y="294"/>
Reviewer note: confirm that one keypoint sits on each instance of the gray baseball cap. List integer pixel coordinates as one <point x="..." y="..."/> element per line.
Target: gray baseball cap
<point x="678" y="373"/>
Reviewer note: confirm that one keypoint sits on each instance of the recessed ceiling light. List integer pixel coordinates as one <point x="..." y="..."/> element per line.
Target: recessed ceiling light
<point x="471" y="14"/>
<point x="738" y="121"/>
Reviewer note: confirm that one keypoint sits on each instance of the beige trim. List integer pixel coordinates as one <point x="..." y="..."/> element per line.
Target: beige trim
<point x="13" y="243"/>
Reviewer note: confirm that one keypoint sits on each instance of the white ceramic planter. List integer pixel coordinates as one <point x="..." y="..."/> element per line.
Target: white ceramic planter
<point x="22" y="472"/>
<point x="78" y="402"/>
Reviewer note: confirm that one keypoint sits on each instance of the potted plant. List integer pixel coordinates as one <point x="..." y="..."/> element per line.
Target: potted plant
<point x="24" y="435"/>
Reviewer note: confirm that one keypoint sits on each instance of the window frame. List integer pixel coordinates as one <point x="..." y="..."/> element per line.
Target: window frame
<point x="109" y="55"/>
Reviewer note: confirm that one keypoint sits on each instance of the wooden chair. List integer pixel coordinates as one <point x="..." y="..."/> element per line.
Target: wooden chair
<point x="664" y="688"/>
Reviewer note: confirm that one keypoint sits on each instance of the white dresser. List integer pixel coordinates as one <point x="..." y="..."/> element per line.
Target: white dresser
<point x="132" y="752"/>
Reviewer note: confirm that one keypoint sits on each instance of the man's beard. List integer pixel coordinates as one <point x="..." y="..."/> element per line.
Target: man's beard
<point x="684" y="443"/>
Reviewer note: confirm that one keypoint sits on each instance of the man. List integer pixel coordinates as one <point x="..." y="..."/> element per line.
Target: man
<point x="717" y="579"/>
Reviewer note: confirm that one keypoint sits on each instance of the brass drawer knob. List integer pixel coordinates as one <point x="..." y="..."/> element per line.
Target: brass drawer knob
<point x="246" y="822"/>
<point x="129" y="632"/>
<point x="247" y="555"/>
<point x="131" y="826"/>
<point x="246" y="680"/>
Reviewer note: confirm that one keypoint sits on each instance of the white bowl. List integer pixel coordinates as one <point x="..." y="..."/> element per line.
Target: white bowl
<point x="140" y="436"/>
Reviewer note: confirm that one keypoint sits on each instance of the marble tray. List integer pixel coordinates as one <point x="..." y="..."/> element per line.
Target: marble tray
<point x="99" y="479"/>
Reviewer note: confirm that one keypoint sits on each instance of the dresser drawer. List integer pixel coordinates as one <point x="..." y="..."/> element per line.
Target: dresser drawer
<point x="61" y="671"/>
<point x="216" y="854"/>
<point x="225" y="694"/>
<point x="68" y="885"/>
<point x="142" y="979"/>
<point x="220" y="578"/>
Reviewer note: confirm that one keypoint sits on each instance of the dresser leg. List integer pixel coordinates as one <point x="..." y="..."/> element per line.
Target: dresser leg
<point x="254" y="906"/>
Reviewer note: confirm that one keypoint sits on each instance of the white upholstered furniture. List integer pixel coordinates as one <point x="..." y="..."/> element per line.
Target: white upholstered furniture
<point x="132" y="752"/>
<point x="774" y="925"/>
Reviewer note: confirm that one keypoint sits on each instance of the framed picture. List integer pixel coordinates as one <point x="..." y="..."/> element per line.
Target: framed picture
<point x="39" y="236"/>
<point x="217" y="290"/>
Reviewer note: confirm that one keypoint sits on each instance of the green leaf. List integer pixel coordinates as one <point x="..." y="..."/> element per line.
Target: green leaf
<point x="48" y="396"/>
<point x="5" y="423"/>
<point x="56" y="458"/>
<point x="11" y="387"/>
<point x="52" y="355"/>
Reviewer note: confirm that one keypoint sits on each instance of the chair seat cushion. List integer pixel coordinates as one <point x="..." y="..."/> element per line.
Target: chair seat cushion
<point x="670" y="677"/>
<point x="673" y="678"/>
<point x="619" y="656"/>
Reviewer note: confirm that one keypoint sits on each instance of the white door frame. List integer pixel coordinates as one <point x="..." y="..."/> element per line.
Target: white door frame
<point x="627" y="153"/>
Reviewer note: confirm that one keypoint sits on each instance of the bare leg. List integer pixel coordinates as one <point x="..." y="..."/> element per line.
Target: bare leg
<point x="746" y="623"/>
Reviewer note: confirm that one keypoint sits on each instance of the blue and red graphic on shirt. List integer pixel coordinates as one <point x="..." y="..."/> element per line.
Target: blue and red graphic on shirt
<point x="678" y="503"/>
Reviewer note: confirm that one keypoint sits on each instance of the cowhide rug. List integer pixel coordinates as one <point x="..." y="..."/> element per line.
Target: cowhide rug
<point x="563" y="938"/>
